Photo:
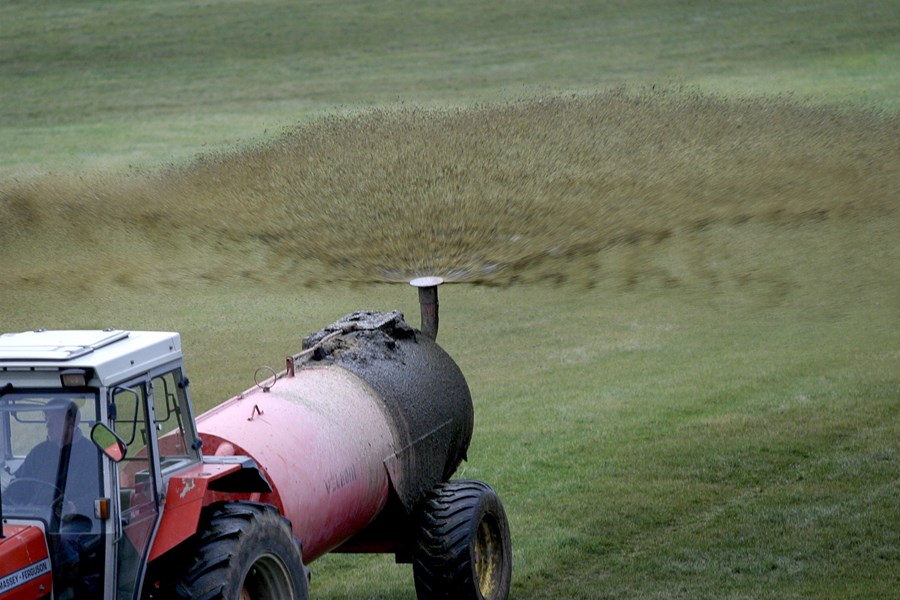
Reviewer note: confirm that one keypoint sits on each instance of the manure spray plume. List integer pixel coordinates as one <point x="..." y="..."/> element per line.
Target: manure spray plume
<point x="616" y="186"/>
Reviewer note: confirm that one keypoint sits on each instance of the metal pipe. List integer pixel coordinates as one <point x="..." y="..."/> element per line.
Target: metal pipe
<point x="428" y="303"/>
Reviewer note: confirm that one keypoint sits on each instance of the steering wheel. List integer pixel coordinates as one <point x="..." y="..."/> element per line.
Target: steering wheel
<point x="20" y="486"/>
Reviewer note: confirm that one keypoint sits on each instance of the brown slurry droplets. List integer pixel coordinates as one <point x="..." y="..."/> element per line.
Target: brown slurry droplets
<point x="539" y="189"/>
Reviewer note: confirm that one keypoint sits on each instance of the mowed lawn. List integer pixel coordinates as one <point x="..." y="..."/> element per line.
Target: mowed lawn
<point x="674" y="227"/>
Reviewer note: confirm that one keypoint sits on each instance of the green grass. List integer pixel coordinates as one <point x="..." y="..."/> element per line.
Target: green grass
<point x="130" y="83"/>
<point x="682" y="338"/>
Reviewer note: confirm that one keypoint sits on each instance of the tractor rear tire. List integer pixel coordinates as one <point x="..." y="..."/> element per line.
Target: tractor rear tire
<point x="463" y="550"/>
<point x="244" y="551"/>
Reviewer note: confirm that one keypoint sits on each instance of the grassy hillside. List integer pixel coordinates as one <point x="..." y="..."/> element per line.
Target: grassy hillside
<point x="677" y="306"/>
<point x="129" y="82"/>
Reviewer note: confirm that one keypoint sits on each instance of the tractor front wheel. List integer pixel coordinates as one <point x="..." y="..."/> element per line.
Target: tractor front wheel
<point x="244" y="551"/>
<point x="463" y="550"/>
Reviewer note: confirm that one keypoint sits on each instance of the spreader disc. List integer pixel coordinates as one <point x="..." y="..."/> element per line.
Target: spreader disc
<point x="421" y="282"/>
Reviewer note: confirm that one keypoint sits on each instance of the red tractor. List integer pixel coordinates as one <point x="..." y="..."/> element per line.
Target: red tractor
<point x="111" y="489"/>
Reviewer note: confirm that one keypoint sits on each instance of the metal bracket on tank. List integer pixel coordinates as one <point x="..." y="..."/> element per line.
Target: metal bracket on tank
<point x="256" y="411"/>
<point x="293" y="360"/>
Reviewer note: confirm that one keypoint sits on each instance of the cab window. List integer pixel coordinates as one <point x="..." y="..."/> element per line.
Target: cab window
<point x="172" y="423"/>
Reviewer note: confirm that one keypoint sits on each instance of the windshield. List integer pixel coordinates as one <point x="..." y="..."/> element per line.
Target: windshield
<point x="49" y="469"/>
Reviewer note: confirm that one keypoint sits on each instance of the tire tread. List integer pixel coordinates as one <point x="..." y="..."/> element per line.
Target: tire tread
<point x="442" y="561"/>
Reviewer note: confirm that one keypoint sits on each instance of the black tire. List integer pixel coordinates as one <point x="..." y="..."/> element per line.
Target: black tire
<point x="463" y="549"/>
<point x="244" y="551"/>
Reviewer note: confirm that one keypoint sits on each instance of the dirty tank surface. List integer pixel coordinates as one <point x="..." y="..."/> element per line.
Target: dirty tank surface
<point x="375" y="411"/>
<point x="421" y="386"/>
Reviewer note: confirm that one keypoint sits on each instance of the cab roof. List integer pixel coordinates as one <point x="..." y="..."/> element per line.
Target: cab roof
<point x="112" y="354"/>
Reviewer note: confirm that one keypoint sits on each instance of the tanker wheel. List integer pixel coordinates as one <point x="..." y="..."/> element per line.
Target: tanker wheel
<point x="463" y="550"/>
<point x="244" y="551"/>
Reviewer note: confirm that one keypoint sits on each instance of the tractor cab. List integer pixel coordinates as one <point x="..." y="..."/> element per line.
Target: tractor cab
<point x="92" y="424"/>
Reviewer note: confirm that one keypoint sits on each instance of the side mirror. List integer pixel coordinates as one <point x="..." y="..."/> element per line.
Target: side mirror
<point x="109" y="443"/>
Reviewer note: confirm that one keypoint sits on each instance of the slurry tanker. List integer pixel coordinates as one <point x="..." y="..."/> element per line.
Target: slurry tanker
<point x="111" y="488"/>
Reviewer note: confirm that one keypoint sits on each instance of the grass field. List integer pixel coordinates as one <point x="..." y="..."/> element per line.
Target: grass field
<point x="672" y="226"/>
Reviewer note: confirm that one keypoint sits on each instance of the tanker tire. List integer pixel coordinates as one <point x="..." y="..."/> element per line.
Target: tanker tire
<point x="463" y="550"/>
<point x="244" y="551"/>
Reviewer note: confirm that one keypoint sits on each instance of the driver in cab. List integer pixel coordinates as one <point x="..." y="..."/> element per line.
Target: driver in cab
<point x="41" y="473"/>
<point x="65" y="493"/>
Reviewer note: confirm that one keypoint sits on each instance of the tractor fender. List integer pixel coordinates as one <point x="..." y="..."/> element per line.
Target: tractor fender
<point x="24" y="562"/>
<point x="216" y="479"/>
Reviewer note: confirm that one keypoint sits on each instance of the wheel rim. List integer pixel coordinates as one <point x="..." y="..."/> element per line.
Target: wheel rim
<point x="488" y="549"/>
<point x="267" y="579"/>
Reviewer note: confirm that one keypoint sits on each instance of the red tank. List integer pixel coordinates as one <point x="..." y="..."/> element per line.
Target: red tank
<point x="370" y="414"/>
